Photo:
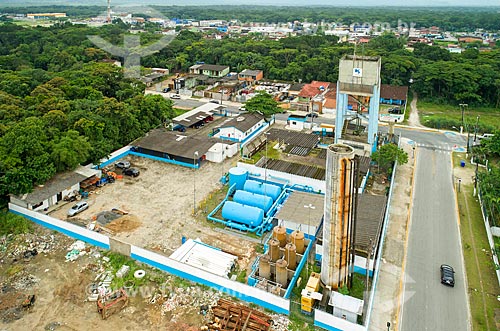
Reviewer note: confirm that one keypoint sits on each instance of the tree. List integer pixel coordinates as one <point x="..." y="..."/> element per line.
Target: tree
<point x="262" y="103"/>
<point x="71" y="150"/>
<point x="389" y="153"/>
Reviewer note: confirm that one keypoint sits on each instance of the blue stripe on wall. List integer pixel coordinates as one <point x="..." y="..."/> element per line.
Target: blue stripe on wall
<point x="162" y="159"/>
<point x="64" y="231"/>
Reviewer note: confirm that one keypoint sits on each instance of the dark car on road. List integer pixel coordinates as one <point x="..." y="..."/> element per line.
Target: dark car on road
<point x="131" y="172"/>
<point x="447" y="275"/>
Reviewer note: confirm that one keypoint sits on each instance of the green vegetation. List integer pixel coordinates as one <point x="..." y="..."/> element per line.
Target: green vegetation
<point x="481" y="278"/>
<point x="14" y="224"/>
<point x="387" y="154"/>
<point x="263" y="103"/>
<point x="445" y="116"/>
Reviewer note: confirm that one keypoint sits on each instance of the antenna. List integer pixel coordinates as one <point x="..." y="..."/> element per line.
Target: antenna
<point x="108" y="18"/>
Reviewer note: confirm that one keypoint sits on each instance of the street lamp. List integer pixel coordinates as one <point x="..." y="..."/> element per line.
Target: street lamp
<point x="195" y="160"/>
<point x="309" y="207"/>
<point x="462" y="107"/>
<point x="388" y="326"/>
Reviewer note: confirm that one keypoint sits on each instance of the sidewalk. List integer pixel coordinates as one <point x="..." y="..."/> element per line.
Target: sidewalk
<point x="386" y="303"/>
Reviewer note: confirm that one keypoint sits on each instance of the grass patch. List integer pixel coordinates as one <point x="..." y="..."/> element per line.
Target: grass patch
<point x="271" y="153"/>
<point x="14" y="224"/>
<point x="475" y="246"/>
<point x="441" y="116"/>
<point x="179" y="111"/>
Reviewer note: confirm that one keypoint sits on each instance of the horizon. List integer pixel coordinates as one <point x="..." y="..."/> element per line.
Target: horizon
<point x="261" y="3"/>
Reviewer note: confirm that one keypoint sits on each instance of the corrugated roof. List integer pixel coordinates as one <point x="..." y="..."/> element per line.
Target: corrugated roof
<point x="173" y="143"/>
<point x="248" y="72"/>
<point x="197" y="114"/>
<point x="393" y="92"/>
<point x="56" y="184"/>
<point x="213" y="67"/>
<point x="296" y="87"/>
<point x="371" y="211"/>
<point x="293" y="209"/>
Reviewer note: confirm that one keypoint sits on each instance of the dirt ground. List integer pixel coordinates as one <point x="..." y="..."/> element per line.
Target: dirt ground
<point x="159" y="203"/>
<point x="160" y="206"/>
<point x="61" y="291"/>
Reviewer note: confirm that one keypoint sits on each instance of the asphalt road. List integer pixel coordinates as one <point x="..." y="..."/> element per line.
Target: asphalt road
<point x="433" y="240"/>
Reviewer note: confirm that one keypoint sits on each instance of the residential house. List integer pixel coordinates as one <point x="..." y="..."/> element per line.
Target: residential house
<point x="210" y="70"/>
<point x="251" y="76"/>
<point x="311" y="96"/>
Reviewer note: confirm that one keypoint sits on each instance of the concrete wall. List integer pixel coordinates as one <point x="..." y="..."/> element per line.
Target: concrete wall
<point x="241" y="291"/>
<point x="333" y="323"/>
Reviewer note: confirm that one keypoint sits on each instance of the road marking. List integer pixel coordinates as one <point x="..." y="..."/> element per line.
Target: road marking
<point x="402" y="286"/>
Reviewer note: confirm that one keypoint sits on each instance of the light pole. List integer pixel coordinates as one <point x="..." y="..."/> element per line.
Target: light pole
<point x="195" y="160"/>
<point x="462" y="107"/>
<point x="476" y="129"/>
<point x="388" y="326"/>
<point x="309" y="207"/>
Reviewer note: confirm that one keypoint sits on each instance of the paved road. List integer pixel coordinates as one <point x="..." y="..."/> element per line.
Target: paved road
<point x="433" y="239"/>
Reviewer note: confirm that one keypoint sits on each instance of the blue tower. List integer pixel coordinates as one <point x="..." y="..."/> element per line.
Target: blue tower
<point x="358" y="83"/>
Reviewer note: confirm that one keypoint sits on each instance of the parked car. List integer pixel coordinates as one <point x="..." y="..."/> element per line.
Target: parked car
<point x="282" y="97"/>
<point x="78" y="208"/>
<point x="242" y="108"/>
<point x="122" y="164"/>
<point x="166" y="89"/>
<point x="175" y="96"/>
<point x="312" y="114"/>
<point x="395" y="110"/>
<point x="215" y="101"/>
<point x="447" y="275"/>
<point x="131" y="172"/>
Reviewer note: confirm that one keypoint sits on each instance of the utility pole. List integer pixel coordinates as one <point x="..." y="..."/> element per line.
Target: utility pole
<point x="462" y="108"/>
<point x="476" y="129"/>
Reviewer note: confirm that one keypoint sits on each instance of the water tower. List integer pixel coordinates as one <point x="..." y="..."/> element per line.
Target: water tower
<point x="359" y="77"/>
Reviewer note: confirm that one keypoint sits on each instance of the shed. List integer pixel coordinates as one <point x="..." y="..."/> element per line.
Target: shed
<point x="346" y="307"/>
<point x="55" y="189"/>
<point x="393" y="95"/>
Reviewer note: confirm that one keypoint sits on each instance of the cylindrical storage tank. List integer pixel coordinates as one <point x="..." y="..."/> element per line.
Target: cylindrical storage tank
<point x="279" y="232"/>
<point x="256" y="187"/>
<point x="291" y="256"/>
<point x="297" y="238"/>
<point x="264" y="266"/>
<point x="281" y="273"/>
<point x="243" y="214"/>
<point x="238" y="176"/>
<point x="274" y="249"/>
<point x="252" y="199"/>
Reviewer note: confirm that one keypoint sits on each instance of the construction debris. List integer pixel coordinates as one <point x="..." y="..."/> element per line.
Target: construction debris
<point x="236" y="317"/>
<point x="111" y="303"/>
<point x="76" y="250"/>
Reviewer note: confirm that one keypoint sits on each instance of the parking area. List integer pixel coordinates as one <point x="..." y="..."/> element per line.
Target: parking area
<point x="159" y="203"/>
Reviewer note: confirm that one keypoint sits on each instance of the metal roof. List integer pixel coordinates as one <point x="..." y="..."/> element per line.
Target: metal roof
<point x="371" y="212"/>
<point x="248" y="72"/>
<point x="298" y="169"/>
<point x="174" y="143"/>
<point x="346" y="302"/>
<point x="53" y="186"/>
<point x="197" y="114"/>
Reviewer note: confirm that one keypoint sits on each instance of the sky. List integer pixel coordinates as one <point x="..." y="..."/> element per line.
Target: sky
<point x="425" y="3"/>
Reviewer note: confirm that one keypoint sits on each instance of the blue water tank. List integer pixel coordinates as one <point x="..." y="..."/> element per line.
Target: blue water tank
<point x="256" y="187"/>
<point x="237" y="212"/>
<point x="254" y="200"/>
<point x="237" y="176"/>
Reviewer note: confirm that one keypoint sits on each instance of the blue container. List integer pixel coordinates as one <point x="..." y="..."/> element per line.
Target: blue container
<point x="462" y="163"/>
<point x="254" y="200"/>
<point x="256" y="187"/>
<point x="237" y="176"/>
<point x="243" y="214"/>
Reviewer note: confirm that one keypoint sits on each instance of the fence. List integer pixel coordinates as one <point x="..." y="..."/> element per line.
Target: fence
<point x="489" y="234"/>
<point x="241" y="291"/>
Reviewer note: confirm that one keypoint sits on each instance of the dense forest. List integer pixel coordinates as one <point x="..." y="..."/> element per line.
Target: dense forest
<point x="61" y="106"/>
<point x="447" y="18"/>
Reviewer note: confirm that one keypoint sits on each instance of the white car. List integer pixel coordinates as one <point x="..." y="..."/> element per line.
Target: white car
<point x="175" y="96"/>
<point x="242" y="108"/>
<point x="78" y="208"/>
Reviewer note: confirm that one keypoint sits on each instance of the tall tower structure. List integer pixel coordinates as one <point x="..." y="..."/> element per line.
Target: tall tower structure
<point x="108" y="16"/>
<point x="338" y="224"/>
<point x="359" y="77"/>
